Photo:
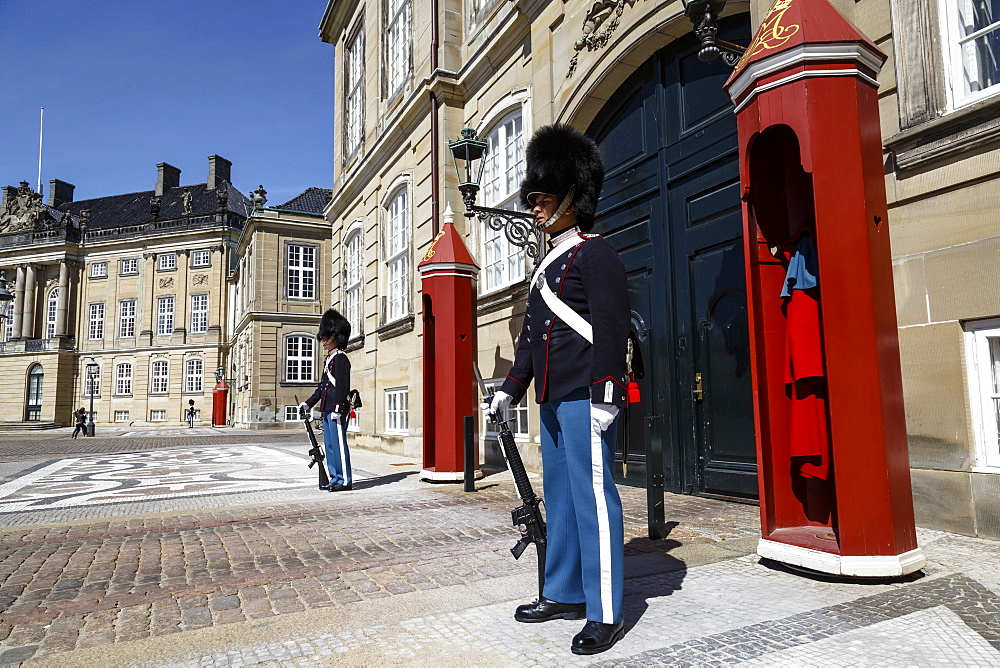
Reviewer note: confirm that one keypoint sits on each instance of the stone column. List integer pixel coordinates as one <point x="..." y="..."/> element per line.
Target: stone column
<point x="28" y="313"/>
<point x="145" y="321"/>
<point x="18" y="314"/>
<point x="182" y="328"/>
<point x="63" y="299"/>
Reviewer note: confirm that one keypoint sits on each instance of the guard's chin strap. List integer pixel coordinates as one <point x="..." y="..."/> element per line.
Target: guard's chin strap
<point x="563" y="205"/>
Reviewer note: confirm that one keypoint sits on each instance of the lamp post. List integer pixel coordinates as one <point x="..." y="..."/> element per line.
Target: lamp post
<point x="469" y="155"/>
<point x="93" y="368"/>
<point x="704" y="14"/>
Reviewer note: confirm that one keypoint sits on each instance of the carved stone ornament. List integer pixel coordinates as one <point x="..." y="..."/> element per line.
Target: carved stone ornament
<point x="222" y="195"/>
<point x="597" y="28"/>
<point x="22" y="209"/>
<point x="187" y="200"/>
<point x="200" y="279"/>
<point x="166" y="282"/>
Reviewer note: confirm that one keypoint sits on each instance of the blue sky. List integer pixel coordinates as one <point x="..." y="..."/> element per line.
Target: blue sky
<point x="128" y="84"/>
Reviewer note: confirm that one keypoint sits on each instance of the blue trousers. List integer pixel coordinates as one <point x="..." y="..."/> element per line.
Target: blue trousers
<point x="586" y="534"/>
<point x="338" y="457"/>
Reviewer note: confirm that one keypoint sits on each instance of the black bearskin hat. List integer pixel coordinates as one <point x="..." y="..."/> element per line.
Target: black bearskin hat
<point x="335" y="326"/>
<point x="559" y="158"/>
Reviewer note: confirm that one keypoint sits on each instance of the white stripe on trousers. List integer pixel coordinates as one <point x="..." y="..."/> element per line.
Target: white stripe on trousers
<point x="342" y="443"/>
<point x="603" y="523"/>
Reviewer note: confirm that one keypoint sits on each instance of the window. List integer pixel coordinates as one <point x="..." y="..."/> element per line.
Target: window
<point x="199" y="314"/>
<point x="972" y="43"/>
<point x="91" y="384"/>
<point x="397" y="414"/>
<point x="35" y="395"/>
<point x="299" y="359"/>
<point x="165" y="315"/>
<point x="129" y="266"/>
<point x="123" y="379"/>
<point x="157" y="416"/>
<point x="99" y="270"/>
<point x="8" y="329"/>
<point x="96" y="326"/>
<point x="984" y="383"/>
<point x="300" y="271"/>
<point x="126" y="318"/>
<point x="397" y="257"/>
<point x="193" y="375"/>
<point x="159" y="379"/>
<point x="502" y="175"/>
<point x="167" y="261"/>
<point x="201" y="258"/>
<point x="354" y="92"/>
<point x="121" y="416"/>
<point x="292" y="414"/>
<point x="353" y="280"/>
<point x="398" y="44"/>
<point x="50" y="313"/>
<point x="517" y="414"/>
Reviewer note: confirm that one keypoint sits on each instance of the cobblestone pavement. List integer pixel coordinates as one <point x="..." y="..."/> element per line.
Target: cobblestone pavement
<point x="400" y="571"/>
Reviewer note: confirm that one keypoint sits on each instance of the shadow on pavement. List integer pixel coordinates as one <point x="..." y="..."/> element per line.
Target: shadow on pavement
<point x="382" y="479"/>
<point x="671" y="570"/>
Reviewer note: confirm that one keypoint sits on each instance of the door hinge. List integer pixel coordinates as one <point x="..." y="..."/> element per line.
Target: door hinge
<point x="697" y="392"/>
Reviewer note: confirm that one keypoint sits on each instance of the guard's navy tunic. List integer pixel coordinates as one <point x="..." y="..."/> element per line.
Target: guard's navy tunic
<point x="584" y="514"/>
<point x="331" y="395"/>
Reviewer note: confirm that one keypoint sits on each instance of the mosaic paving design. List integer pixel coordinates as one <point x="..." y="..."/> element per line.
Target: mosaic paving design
<point x="141" y="476"/>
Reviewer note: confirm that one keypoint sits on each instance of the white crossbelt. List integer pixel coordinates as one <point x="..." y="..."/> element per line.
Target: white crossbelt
<point x="556" y="305"/>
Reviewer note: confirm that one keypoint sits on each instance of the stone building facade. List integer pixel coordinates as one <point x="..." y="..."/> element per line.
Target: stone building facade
<point x="412" y="73"/>
<point x="135" y="283"/>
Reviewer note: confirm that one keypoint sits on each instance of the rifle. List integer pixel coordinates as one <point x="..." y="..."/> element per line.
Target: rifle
<point x="528" y="517"/>
<point x="315" y="451"/>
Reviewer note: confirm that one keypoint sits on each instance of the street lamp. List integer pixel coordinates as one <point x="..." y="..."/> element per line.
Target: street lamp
<point x="704" y="14"/>
<point x="469" y="155"/>
<point x="93" y="368"/>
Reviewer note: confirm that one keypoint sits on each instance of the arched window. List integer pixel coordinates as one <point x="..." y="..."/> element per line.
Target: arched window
<point x="50" y="313"/>
<point x="299" y="359"/>
<point x="159" y="377"/>
<point x="397" y="255"/>
<point x="503" y="262"/>
<point x="352" y="279"/>
<point x="34" y="404"/>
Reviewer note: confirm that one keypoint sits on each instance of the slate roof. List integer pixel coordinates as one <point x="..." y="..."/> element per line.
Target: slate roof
<point x="311" y="200"/>
<point x="133" y="208"/>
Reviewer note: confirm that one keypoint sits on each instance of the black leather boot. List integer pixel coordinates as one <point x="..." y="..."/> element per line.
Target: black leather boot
<point x="597" y="637"/>
<point x="544" y="610"/>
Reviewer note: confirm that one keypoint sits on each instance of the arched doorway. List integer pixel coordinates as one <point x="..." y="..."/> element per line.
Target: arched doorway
<point x="33" y="397"/>
<point x="671" y="206"/>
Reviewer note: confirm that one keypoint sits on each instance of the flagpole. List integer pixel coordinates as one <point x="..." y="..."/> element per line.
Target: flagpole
<point x="41" y="125"/>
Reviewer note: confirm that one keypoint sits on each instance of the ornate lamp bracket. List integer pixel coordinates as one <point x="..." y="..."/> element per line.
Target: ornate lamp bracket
<point x="704" y="15"/>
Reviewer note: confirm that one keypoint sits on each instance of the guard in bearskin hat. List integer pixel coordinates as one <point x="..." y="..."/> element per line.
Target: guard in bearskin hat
<point x="573" y="345"/>
<point x="331" y="395"/>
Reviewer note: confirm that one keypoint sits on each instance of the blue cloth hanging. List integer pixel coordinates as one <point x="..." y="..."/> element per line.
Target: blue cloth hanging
<point x="803" y="267"/>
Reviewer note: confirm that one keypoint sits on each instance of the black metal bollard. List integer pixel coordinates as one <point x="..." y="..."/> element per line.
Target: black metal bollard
<point x="470" y="454"/>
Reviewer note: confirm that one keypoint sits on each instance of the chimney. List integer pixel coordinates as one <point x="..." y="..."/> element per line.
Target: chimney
<point x="218" y="171"/>
<point x="167" y="177"/>
<point x="60" y="192"/>
<point x="9" y="193"/>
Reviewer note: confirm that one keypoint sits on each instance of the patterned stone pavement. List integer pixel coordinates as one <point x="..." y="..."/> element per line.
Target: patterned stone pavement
<point x="193" y="555"/>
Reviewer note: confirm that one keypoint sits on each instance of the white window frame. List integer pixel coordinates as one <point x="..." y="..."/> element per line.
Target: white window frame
<point x="518" y="412"/>
<point x="51" y="310"/>
<point x="503" y="263"/>
<point x="95" y="321"/>
<point x="87" y="382"/>
<point x="201" y="259"/>
<point x="123" y="379"/>
<point x="194" y="375"/>
<point x="165" y="315"/>
<point x="397" y="410"/>
<point x="955" y="42"/>
<point x="98" y="269"/>
<point x="158" y="415"/>
<point x="354" y="92"/>
<point x="300" y="367"/>
<point x="397" y="39"/>
<point x="292" y="414"/>
<point x="121" y="416"/>
<point x="166" y="262"/>
<point x="126" y="318"/>
<point x="984" y="392"/>
<point x="199" y="314"/>
<point x="353" y="277"/>
<point x="397" y="253"/>
<point x="300" y="271"/>
<point x="159" y="376"/>
<point x="8" y="330"/>
<point x="129" y="266"/>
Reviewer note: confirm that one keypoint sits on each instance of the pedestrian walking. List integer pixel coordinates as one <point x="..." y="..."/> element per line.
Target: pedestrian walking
<point x="331" y="395"/>
<point x="80" y="418"/>
<point x="573" y="346"/>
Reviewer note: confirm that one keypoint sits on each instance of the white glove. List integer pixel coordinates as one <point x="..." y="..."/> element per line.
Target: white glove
<point x="335" y="416"/>
<point x="304" y="409"/>
<point x="500" y="402"/>
<point x="602" y="415"/>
